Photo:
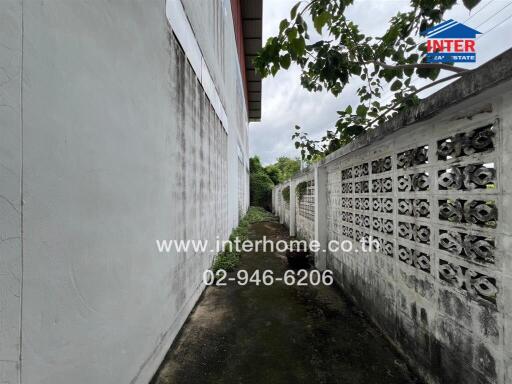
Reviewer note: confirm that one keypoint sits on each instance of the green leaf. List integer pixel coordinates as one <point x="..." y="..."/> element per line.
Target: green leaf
<point x="396" y="85"/>
<point x="433" y="74"/>
<point x="299" y="45"/>
<point x="285" y="61"/>
<point x="361" y="110"/>
<point x="356" y="69"/>
<point x="389" y="74"/>
<point x="283" y="25"/>
<point x="470" y="4"/>
<point x="291" y="33"/>
<point x="293" y="12"/>
<point x="413" y="58"/>
<point x="355" y="130"/>
<point x="348" y="110"/>
<point x="321" y="20"/>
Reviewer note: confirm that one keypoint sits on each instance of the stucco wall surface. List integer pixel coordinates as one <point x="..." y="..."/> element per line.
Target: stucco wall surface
<point x="114" y="144"/>
<point x="10" y="190"/>
<point x="305" y="209"/>
<point x="212" y="24"/>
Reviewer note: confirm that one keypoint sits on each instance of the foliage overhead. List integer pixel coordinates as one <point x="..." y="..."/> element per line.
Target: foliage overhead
<point x="343" y="54"/>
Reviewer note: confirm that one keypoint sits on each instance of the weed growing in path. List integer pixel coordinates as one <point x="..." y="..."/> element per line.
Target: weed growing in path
<point x="229" y="258"/>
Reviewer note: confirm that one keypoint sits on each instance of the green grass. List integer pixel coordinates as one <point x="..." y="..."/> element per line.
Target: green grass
<point x="228" y="259"/>
<point x="257" y="215"/>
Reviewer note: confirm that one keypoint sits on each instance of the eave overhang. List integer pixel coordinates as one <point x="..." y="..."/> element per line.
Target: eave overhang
<point x="252" y="12"/>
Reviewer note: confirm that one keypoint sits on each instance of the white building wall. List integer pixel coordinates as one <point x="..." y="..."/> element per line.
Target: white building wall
<point x="10" y="189"/>
<point x="212" y="25"/>
<point x="123" y="143"/>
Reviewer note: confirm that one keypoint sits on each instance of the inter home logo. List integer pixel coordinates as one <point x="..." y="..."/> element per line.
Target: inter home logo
<point x="451" y="42"/>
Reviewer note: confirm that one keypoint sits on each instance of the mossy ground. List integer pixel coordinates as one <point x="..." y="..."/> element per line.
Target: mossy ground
<point x="229" y="258"/>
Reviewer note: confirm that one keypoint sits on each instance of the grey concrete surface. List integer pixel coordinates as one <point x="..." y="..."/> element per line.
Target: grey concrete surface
<point x="120" y="147"/>
<point x="10" y="189"/>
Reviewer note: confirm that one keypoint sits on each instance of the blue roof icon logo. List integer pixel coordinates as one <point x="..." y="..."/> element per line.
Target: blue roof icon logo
<point x="450" y="29"/>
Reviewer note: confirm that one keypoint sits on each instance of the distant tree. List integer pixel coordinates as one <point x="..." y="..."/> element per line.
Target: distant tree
<point x="274" y="173"/>
<point x="344" y="54"/>
<point x="260" y="184"/>
<point x="255" y="164"/>
<point x="287" y="167"/>
<point x="263" y="179"/>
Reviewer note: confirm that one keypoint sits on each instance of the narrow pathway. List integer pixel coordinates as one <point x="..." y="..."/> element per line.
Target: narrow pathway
<point x="279" y="334"/>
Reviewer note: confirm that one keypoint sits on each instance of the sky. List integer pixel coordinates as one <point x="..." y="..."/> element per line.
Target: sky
<point x="285" y="103"/>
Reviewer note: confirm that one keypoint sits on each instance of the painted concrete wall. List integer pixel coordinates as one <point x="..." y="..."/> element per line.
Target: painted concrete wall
<point x="436" y="194"/>
<point x="121" y="146"/>
<point x="10" y="190"/>
<point x="286" y="212"/>
<point x="213" y="28"/>
<point x="305" y="209"/>
<point x="299" y="214"/>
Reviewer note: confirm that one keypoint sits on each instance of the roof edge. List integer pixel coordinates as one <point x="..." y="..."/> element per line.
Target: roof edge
<point x="252" y="15"/>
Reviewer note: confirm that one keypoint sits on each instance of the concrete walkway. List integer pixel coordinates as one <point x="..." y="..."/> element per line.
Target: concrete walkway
<point x="279" y="334"/>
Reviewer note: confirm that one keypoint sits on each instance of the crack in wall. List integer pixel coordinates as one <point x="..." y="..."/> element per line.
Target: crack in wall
<point x="11" y="204"/>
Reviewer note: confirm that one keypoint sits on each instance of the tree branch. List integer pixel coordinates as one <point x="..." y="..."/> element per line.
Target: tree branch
<point x="309" y="5"/>
<point x="419" y="65"/>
